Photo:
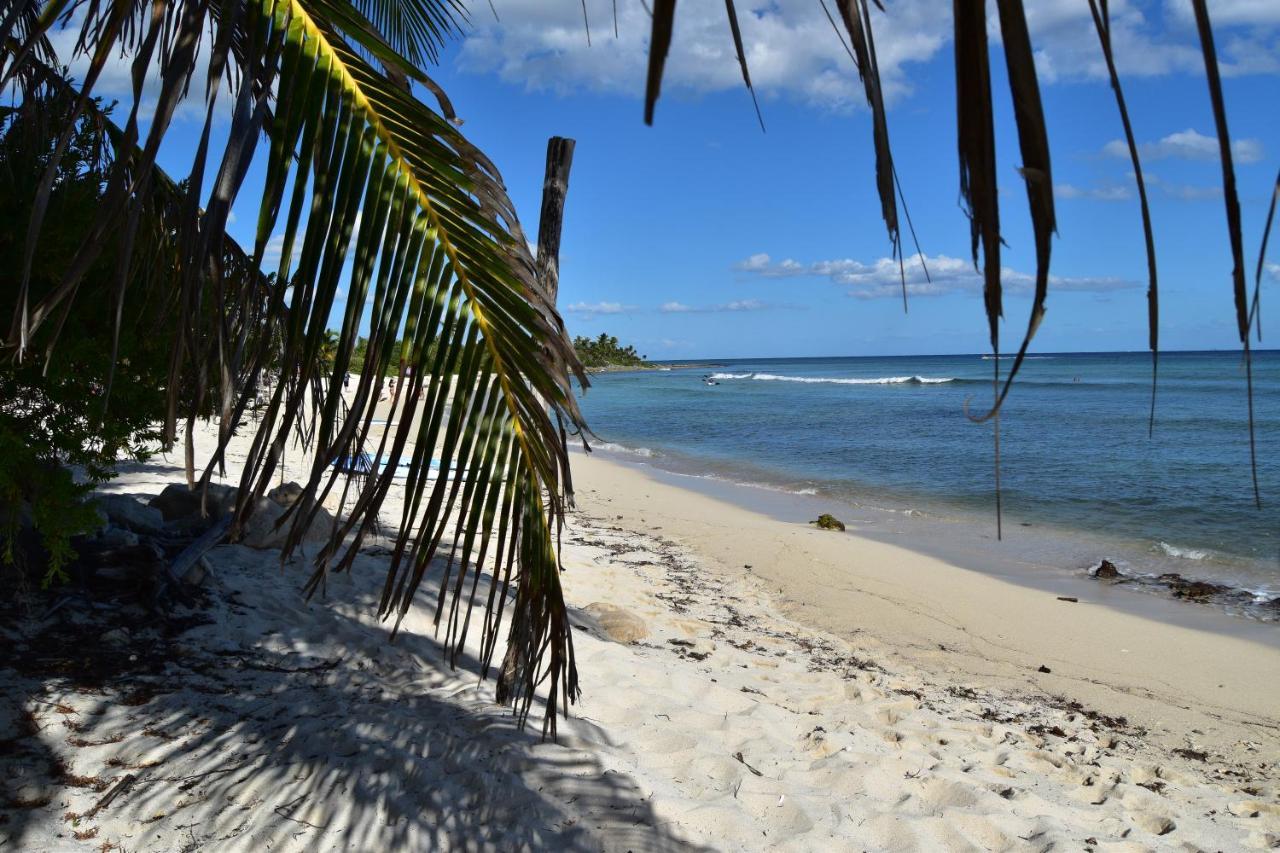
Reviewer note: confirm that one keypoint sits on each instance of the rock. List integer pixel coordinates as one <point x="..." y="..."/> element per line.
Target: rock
<point x="1186" y="588"/>
<point x="178" y="502"/>
<point x="116" y="637"/>
<point x="1044" y="669"/>
<point x="124" y="511"/>
<point x="827" y="521"/>
<point x="260" y="531"/>
<point x="117" y="537"/>
<point x="286" y="494"/>
<point x="619" y="625"/>
<point x="1106" y="570"/>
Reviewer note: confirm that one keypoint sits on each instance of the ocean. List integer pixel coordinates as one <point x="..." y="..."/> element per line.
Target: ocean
<point x="886" y="439"/>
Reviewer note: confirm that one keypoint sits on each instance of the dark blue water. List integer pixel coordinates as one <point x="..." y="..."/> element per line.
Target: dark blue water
<point x="892" y="432"/>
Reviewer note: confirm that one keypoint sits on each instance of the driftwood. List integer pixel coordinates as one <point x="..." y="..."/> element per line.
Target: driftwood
<point x="116" y="790"/>
<point x="192" y="553"/>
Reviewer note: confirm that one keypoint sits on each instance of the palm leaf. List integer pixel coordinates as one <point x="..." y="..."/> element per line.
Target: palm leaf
<point x="360" y="173"/>
<point x="1232" y="201"/>
<point x="1102" y="23"/>
<point x="1033" y="138"/>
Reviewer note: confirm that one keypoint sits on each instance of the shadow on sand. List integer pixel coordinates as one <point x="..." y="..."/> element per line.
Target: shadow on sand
<point x="256" y="720"/>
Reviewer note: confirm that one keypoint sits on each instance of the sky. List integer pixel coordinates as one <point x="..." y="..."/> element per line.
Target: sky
<point x="704" y="237"/>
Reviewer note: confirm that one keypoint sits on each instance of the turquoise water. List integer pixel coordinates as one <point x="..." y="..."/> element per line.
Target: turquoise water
<point x="892" y="433"/>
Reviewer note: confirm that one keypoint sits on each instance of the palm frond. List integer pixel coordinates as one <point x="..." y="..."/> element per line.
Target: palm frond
<point x="1033" y="138"/>
<point x="1255" y="308"/>
<point x="1232" y="201"/>
<point x="742" y="57"/>
<point x="360" y="174"/>
<point x="664" y="13"/>
<point x="856" y="15"/>
<point x="1102" y="23"/>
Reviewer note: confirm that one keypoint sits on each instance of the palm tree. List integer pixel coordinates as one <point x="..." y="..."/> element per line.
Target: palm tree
<point x="360" y="170"/>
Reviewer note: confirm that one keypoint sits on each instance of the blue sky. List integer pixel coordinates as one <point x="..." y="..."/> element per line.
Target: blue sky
<point x="703" y="237"/>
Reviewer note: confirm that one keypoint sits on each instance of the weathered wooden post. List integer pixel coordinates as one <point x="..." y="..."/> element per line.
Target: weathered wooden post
<point x="555" y="186"/>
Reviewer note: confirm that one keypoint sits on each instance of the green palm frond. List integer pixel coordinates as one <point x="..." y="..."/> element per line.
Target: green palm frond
<point x="369" y="189"/>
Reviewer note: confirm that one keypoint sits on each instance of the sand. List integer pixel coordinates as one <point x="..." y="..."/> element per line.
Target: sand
<point x="839" y="694"/>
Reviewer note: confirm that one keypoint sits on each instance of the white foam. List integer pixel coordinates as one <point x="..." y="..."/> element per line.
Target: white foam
<point x="618" y="448"/>
<point x="835" y="380"/>
<point x="1181" y="553"/>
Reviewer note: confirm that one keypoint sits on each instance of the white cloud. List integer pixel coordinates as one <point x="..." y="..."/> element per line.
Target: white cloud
<point x="115" y="81"/>
<point x="883" y="278"/>
<point x="591" y="309"/>
<point x="736" y="305"/>
<point x="1188" y="144"/>
<point x="792" y="50"/>
<point x="1184" y="192"/>
<point x="1104" y="193"/>
<point x="755" y="262"/>
<point x="1247" y="12"/>
<point x="1273" y="270"/>
<point x="790" y="47"/>
<point x="271" y="253"/>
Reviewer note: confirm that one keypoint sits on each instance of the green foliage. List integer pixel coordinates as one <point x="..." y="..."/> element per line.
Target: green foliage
<point x="359" y="351"/>
<point x="55" y="415"/>
<point x="604" y="351"/>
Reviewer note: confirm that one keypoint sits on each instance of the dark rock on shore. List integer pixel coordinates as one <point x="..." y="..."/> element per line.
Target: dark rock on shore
<point x="1185" y="588"/>
<point x="1106" y="570"/>
<point x="827" y="521"/>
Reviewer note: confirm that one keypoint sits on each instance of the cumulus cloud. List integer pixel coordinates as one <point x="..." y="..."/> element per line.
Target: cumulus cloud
<point x="883" y="278"/>
<point x="790" y="47"/>
<point x="755" y="262"/>
<point x="792" y="50"/>
<point x="1188" y="144"/>
<point x="592" y="309"/>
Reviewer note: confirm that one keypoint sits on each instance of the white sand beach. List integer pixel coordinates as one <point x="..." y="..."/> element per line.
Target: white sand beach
<point x="784" y="688"/>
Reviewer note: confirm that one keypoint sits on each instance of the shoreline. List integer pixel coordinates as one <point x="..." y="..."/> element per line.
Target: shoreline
<point x="1033" y="552"/>
<point x="1120" y="653"/>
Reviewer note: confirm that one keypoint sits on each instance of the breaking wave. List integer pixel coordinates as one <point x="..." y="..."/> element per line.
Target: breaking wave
<point x="833" y="380"/>
<point x="1182" y="553"/>
<point x="618" y="448"/>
